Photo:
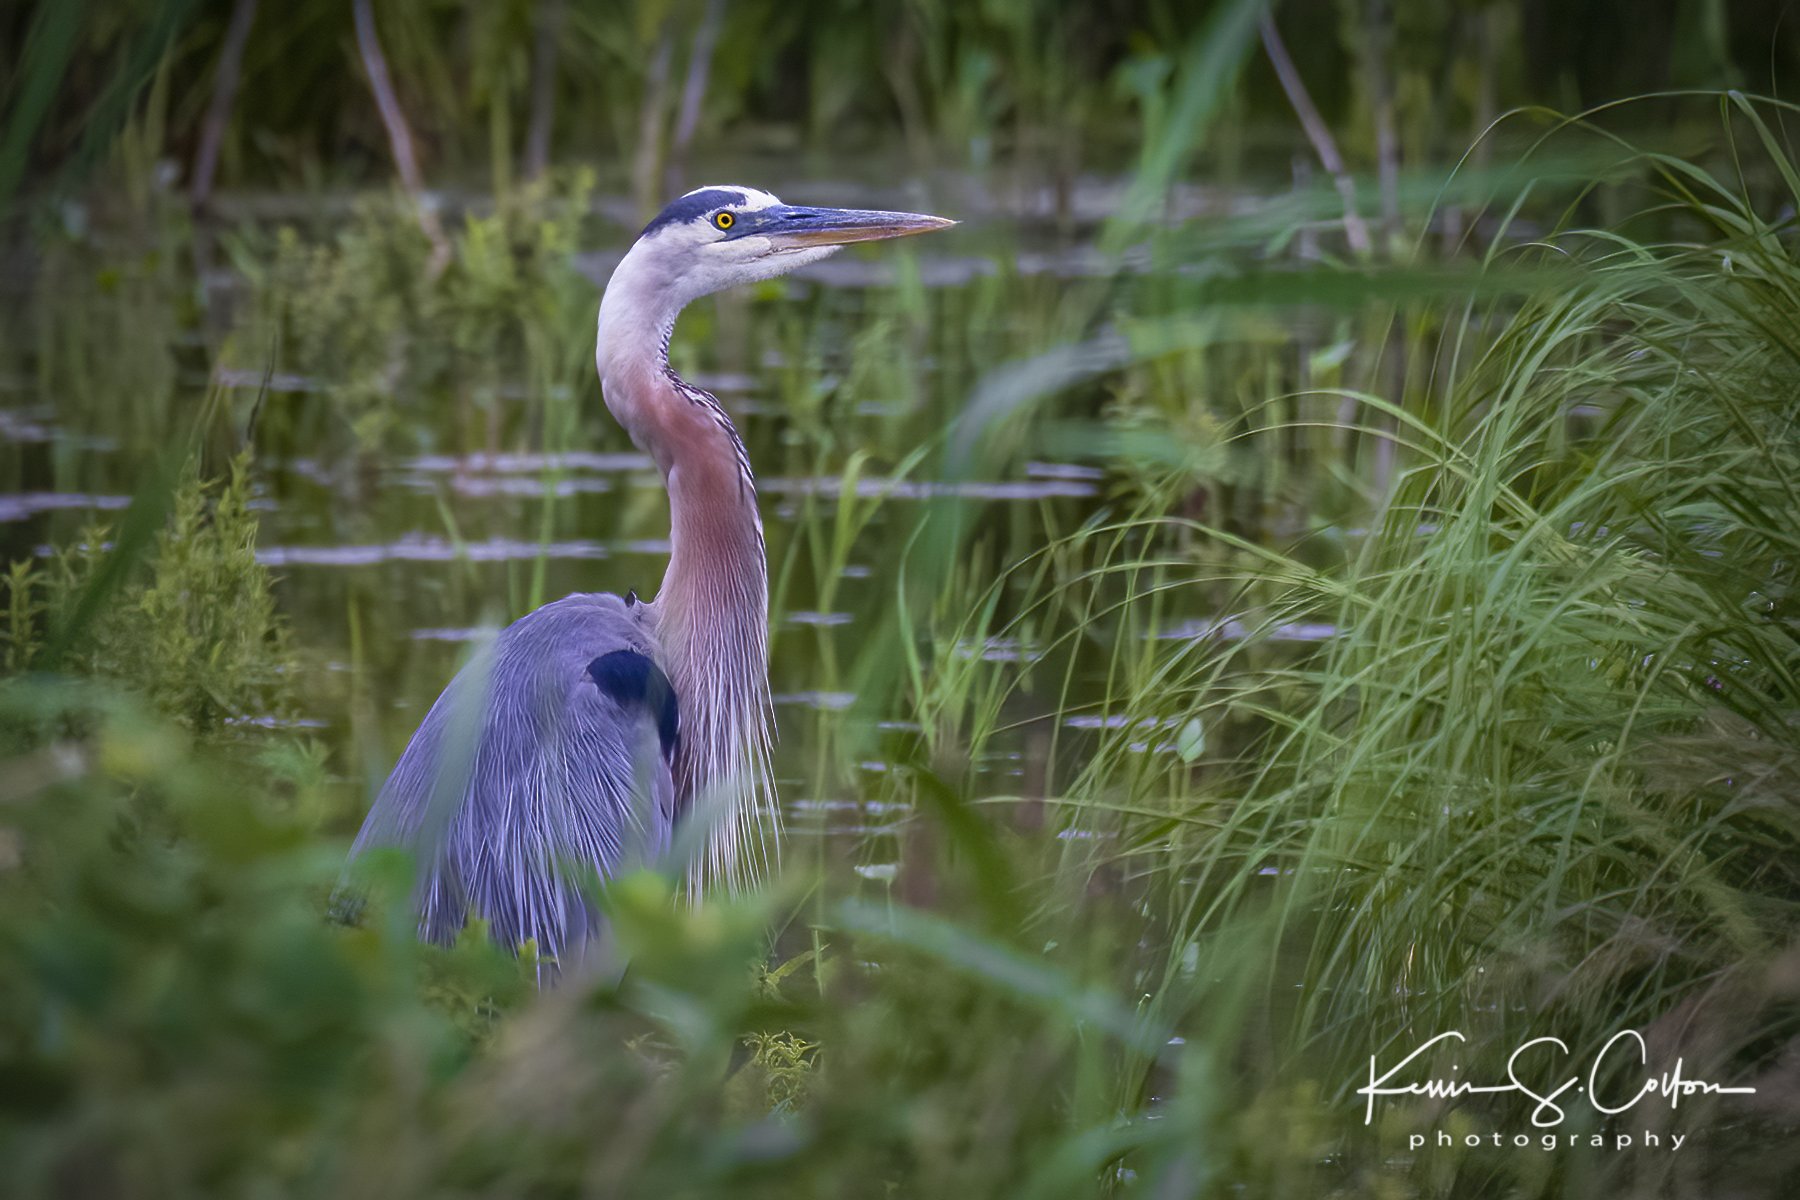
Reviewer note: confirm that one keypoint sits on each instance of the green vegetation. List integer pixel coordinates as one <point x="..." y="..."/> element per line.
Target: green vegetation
<point x="197" y="636"/>
<point x="1377" y="639"/>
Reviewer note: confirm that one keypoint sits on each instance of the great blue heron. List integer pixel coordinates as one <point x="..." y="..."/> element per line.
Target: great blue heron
<point x="592" y="725"/>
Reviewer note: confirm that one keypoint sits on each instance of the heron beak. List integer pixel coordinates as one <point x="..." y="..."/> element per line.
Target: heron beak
<point x="793" y="227"/>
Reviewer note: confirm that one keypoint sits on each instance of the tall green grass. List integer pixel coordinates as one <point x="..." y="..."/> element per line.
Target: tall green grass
<point x="1540" y="776"/>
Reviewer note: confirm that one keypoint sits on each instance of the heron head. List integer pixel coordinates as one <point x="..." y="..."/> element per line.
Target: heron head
<point x="716" y="237"/>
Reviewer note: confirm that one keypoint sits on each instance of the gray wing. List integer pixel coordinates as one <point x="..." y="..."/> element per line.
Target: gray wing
<point x="545" y="760"/>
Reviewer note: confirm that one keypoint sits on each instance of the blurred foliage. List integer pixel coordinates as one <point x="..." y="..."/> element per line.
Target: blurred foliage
<point x="1054" y="86"/>
<point x="182" y="1021"/>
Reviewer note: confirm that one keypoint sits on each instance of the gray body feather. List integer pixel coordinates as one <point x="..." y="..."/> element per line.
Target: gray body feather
<point x="528" y="777"/>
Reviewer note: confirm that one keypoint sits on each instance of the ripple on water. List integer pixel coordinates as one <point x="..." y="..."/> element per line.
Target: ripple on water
<point x="1120" y="721"/>
<point x="416" y="547"/>
<point x="272" y="722"/>
<point x="819" y="618"/>
<point x="34" y="425"/>
<point x="478" y="487"/>
<point x="822" y="701"/>
<point x="873" y="808"/>
<point x="521" y="464"/>
<point x="21" y="505"/>
<point x="876" y="487"/>
<point x="472" y="633"/>
<point x="997" y="649"/>
<point x="1233" y="629"/>
<point x="662" y="546"/>
<point x="1050" y="470"/>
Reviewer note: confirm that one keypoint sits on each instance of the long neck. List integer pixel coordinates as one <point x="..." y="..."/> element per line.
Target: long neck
<point x="712" y="611"/>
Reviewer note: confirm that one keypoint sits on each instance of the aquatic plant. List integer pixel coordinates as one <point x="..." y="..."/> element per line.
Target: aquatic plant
<point x="193" y="629"/>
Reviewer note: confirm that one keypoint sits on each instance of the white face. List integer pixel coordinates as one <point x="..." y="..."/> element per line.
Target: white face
<point x="705" y="240"/>
<point x="719" y="236"/>
<point x="711" y="239"/>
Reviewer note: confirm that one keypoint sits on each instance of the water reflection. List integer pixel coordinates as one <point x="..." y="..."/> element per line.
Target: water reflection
<point x="826" y="701"/>
<point x="33" y="426"/>
<point x="417" y="547"/>
<point x="819" y="618"/>
<point x="875" y="487"/>
<point x="24" y="505"/>
<point x="331" y="521"/>
<point x="1233" y="629"/>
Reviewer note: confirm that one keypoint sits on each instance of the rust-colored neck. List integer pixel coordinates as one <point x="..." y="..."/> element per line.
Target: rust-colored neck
<point x="712" y="608"/>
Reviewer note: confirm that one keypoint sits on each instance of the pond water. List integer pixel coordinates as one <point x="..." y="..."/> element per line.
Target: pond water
<point x="389" y="565"/>
<point x="495" y="481"/>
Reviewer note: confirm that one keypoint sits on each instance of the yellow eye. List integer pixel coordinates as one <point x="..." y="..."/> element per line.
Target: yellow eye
<point x="724" y="220"/>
